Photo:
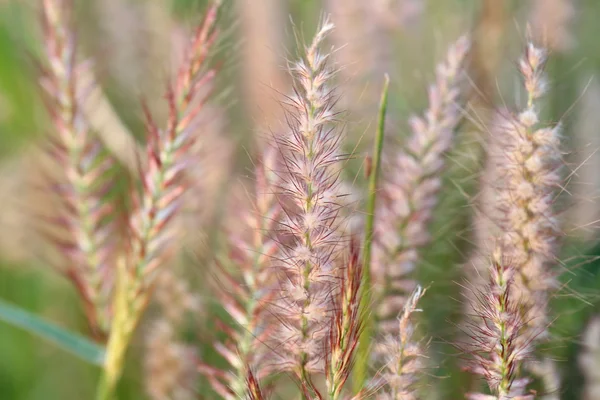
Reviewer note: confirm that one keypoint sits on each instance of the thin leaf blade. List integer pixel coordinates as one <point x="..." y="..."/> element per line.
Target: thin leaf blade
<point x="69" y="341"/>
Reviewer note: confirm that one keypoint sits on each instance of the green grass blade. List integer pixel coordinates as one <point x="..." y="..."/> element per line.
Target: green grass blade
<point x="66" y="340"/>
<point x="362" y="356"/>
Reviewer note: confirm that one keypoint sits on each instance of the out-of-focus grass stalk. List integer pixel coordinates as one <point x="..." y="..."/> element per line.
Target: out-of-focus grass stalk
<point x="151" y="234"/>
<point x="120" y="335"/>
<point x="362" y="358"/>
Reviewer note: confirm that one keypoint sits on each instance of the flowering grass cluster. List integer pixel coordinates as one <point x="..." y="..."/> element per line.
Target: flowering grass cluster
<point x="293" y="282"/>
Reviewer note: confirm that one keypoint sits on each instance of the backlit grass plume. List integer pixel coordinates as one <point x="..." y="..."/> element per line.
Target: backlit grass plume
<point x="311" y="225"/>
<point x="403" y="355"/>
<point x="82" y="229"/>
<point x="529" y="169"/>
<point x="410" y="187"/>
<point x="500" y="340"/>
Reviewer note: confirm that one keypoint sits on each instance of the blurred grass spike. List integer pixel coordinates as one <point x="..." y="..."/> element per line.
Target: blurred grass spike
<point x="82" y="228"/>
<point x="152" y="234"/>
<point x="69" y="341"/>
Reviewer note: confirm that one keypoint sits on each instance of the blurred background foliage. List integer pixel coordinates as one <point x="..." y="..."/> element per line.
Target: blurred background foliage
<point x="130" y="42"/>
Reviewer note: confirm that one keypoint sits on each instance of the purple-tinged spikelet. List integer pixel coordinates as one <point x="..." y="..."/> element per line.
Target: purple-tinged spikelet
<point x="248" y="284"/>
<point x="529" y="179"/>
<point x="500" y="340"/>
<point x="168" y="155"/>
<point x="410" y="187"/>
<point x="151" y="230"/>
<point x="403" y="356"/>
<point x="253" y="388"/>
<point x="345" y="326"/>
<point x="311" y="224"/>
<point x="83" y="228"/>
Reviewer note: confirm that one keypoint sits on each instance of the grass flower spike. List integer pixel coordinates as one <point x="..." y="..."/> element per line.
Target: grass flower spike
<point x="151" y="233"/>
<point x="311" y="224"/>
<point x="501" y="341"/>
<point x="410" y="186"/>
<point x="83" y="228"/>
<point x="403" y="364"/>
<point x="530" y="175"/>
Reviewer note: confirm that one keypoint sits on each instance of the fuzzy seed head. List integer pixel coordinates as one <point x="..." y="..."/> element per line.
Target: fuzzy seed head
<point x="411" y="182"/>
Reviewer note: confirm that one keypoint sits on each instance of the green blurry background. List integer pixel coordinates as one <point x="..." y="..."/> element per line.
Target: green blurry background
<point x="125" y="38"/>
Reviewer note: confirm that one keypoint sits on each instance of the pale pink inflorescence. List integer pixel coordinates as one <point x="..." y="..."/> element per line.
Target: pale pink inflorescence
<point x="410" y="187"/>
<point x="249" y="286"/>
<point x="404" y="356"/>
<point x="311" y="225"/>
<point x="500" y="340"/>
<point x="169" y="156"/>
<point x="529" y="181"/>
<point x="151" y="232"/>
<point x="83" y="227"/>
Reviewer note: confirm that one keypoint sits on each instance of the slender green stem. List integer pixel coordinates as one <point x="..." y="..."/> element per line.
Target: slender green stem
<point x="128" y="310"/>
<point x="362" y="356"/>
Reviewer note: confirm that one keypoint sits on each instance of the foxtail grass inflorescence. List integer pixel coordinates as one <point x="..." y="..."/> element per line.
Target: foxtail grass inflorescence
<point x="500" y="339"/>
<point x="83" y="228"/>
<point x="311" y="225"/>
<point x="410" y="186"/>
<point x="403" y="356"/>
<point x="529" y="170"/>
<point x="151" y="234"/>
